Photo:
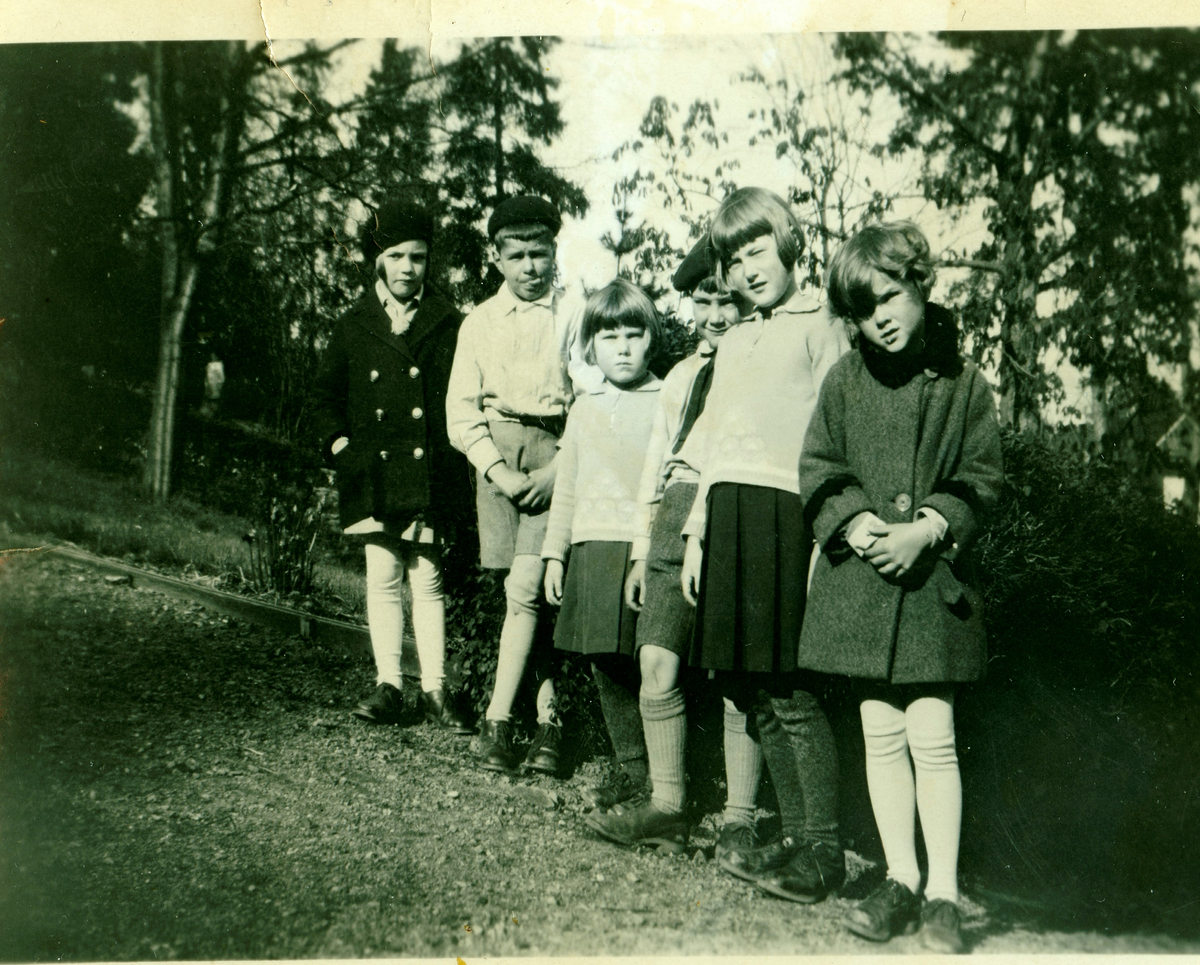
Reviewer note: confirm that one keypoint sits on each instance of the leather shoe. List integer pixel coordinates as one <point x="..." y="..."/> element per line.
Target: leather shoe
<point x="543" y="752"/>
<point x="385" y="706"/>
<point x="495" y="746"/>
<point x="440" y="712"/>
<point x="811" y="874"/>
<point x="646" y="827"/>
<point x="753" y="864"/>
<point x="617" y="790"/>
<point x="891" y="909"/>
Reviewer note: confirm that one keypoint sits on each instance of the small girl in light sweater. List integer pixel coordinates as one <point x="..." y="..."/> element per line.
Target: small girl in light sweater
<point x="593" y="513"/>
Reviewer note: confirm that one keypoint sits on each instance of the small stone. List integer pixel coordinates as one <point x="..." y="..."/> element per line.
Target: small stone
<point x="632" y="878"/>
<point x="452" y="794"/>
<point x="116" y="580"/>
<point x="551" y="899"/>
<point x="600" y="877"/>
<point x="700" y="857"/>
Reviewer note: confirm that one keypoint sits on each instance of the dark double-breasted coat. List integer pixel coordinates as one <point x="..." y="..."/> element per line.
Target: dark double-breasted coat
<point x="890" y="439"/>
<point x="387" y="393"/>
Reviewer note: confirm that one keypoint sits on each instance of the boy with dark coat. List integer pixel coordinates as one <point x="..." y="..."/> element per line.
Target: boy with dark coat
<point x="380" y="402"/>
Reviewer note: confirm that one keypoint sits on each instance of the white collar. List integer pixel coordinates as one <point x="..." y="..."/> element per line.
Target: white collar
<point x="511" y="303"/>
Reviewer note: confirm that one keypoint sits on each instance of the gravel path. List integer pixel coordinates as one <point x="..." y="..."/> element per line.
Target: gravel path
<point x="176" y="785"/>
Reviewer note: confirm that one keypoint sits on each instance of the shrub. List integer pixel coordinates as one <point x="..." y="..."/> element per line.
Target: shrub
<point x="1079" y="748"/>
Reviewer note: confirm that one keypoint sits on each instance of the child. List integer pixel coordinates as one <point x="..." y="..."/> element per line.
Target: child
<point x="592" y="513"/>
<point x="517" y="368"/>
<point x="665" y="495"/>
<point x="748" y="548"/>
<point x="901" y="459"/>
<point x="380" y="401"/>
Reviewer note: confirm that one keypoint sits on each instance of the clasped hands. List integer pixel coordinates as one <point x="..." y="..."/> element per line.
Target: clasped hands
<point x="531" y="490"/>
<point x="894" y="549"/>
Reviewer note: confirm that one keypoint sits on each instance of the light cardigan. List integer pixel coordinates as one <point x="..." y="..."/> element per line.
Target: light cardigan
<point x="764" y="391"/>
<point x="599" y="466"/>
<point x="515" y="360"/>
<point x="663" y="466"/>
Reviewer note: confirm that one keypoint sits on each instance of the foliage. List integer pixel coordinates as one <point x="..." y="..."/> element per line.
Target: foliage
<point x="282" y="543"/>
<point x="1084" y="720"/>
<point x="1075" y="147"/>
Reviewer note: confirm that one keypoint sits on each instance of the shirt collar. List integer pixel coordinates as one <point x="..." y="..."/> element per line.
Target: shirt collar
<point x="384" y="294"/>
<point x="511" y="303"/>
<point x="652" y="384"/>
<point x="801" y="303"/>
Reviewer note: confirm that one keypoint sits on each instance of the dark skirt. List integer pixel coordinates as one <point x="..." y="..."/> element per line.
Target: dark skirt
<point x="753" y="581"/>
<point x="666" y="618"/>
<point x="594" y="617"/>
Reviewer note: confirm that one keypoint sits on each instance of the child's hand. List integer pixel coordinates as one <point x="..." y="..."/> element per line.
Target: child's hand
<point x="541" y="488"/>
<point x="693" y="557"/>
<point x="512" y="482"/>
<point x="635" y="586"/>
<point x="554" y="582"/>
<point x="899" y="546"/>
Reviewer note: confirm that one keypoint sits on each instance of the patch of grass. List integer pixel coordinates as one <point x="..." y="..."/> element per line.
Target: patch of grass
<point x="46" y="499"/>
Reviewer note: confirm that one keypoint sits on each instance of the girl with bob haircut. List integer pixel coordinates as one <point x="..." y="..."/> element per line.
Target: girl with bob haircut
<point x="901" y="462"/>
<point x="593" y="514"/>
<point x="748" y="548"/>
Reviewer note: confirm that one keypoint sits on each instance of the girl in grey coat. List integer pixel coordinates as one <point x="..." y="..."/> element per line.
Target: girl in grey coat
<point x="900" y="462"/>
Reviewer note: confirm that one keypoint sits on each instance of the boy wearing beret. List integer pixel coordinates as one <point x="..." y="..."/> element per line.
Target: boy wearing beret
<point x="517" y="368"/>
<point x="380" y="417"/>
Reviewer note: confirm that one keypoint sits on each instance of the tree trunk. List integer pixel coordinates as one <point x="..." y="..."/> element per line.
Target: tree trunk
<point x="181" y="266"/>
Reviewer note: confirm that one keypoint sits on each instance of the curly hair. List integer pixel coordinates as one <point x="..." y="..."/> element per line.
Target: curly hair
<point x="897" y="249"/>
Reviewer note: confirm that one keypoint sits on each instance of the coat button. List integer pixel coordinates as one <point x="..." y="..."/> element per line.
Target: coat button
<point x="418" y="453"/>
<point x="414" y="372"/>
<point x="418" y="412"/>
<point x="378" y="415"/>
<point x="374" y="375"/>
<point x="384" y="454"/>
<point x="903" y="502"/>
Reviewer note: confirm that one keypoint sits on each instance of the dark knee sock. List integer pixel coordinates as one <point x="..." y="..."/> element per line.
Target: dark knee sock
<point x="781" y="765"/>
<point x="623" y="718"/>
<point x="812" y="742"/>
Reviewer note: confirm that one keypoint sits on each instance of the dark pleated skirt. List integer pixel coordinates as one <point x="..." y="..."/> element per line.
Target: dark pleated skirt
<point x="753" y="582"/>
<point x="593" y="617"/>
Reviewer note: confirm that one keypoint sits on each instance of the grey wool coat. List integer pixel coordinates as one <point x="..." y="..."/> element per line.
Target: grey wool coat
<point x="890" y="436"/>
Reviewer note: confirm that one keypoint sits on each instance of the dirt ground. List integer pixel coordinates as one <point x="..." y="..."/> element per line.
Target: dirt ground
<point x="176" y="785"/>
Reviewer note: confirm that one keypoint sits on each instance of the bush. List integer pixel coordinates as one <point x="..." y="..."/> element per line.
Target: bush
<point x="1079" y="749"/>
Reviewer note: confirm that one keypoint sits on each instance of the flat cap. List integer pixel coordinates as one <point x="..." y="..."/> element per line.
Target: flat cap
<point x="700" y="262"/>
<point x="393" y="223"/>
<point x="524" y="209"/>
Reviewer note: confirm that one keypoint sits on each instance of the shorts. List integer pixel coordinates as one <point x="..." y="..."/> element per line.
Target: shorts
<point x="506" y="531"/>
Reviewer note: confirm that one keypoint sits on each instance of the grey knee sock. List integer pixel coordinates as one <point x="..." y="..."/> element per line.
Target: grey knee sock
<point x="816" y="760"/>
<point x="623" y="718"/>
<point x="743" y="770"/>
<point x="781" y="765"/>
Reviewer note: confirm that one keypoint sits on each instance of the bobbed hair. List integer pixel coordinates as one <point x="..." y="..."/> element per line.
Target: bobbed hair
<point x="750" y="213"/>
<point x="898" y="249"/>
<point x="619" y="304"/>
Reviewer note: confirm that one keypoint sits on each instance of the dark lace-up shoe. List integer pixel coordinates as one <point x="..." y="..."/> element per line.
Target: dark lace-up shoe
<point x="752" y="865"/>
<point x="735" y="839"/>
<point x="941" y="927"/>
<point x="812" y="874"/>
<point x="891" y="909"/>
<point x="646" y="827"/>
<point x="618" y="789"/>
<point x="543" y="752"/>
<point x="385" y="706"/>
<point x="495" y="746"/>
<point x="439" y="711"/>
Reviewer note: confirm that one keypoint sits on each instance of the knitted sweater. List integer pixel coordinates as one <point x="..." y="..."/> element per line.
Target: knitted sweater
<point x="764" y="391"/>
<point x="599" y="466"/>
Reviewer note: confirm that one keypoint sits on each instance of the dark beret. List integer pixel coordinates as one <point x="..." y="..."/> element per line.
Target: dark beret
<point x="524" y="209"/>
<point x="700" y="262"/>
<point x="393" y="223"/>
